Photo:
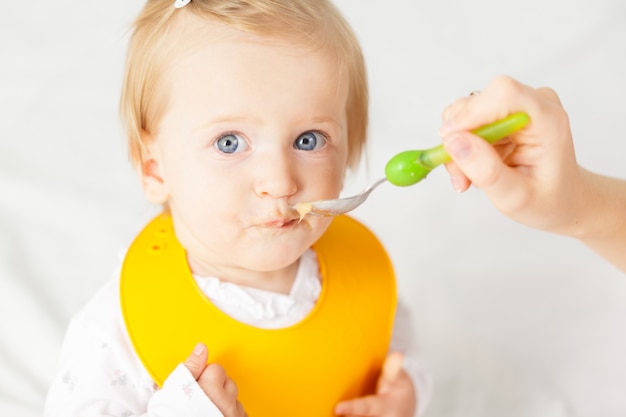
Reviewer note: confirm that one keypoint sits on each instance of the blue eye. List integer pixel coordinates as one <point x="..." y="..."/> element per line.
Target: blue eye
<point x="231" y="143"/>
<point x="310" y="141"/>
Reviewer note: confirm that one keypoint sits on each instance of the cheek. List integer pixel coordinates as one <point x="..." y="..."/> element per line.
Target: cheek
<point x="339" y="169"/>
<point x="183" y="177"/>
<point x="328" y="181"/>
<point x="201" y="187"/>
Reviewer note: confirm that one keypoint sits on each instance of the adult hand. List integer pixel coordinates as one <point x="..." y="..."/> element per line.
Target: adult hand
<point x="532" y="176"/>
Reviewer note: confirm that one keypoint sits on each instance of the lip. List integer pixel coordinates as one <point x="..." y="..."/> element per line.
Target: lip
<point x="283" y="223"/>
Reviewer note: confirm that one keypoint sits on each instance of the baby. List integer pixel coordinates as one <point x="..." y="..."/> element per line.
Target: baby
<point x="228" y="303"/>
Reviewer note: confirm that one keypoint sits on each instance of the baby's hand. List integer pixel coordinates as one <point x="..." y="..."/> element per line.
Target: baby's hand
<point x="212" y="378"/>
<point x="395" y="395"/>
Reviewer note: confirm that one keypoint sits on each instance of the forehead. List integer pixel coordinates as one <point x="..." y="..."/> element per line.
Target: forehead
<point x="194" y="35"/>
<point x="216" y="61"/>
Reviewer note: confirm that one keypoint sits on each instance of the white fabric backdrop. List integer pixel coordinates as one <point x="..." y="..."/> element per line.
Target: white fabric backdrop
<point x="511" y="321"/>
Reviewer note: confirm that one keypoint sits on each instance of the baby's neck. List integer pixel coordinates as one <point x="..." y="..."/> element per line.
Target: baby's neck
<point x="280" y="281"/>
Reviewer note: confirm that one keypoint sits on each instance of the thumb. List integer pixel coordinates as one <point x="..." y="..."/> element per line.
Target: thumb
<point x="479" y="161"/>
<point x="391" y="370"/>
<point x="197" y="361"/>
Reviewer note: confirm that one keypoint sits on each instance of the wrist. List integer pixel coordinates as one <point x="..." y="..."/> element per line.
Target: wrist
<point x="598" y="208"/>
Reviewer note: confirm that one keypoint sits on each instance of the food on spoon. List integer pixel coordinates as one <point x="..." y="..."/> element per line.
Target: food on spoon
<point x="303" y="209"/>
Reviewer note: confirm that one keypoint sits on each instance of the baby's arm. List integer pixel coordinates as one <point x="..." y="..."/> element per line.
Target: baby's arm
<point x="99" y="374"/>
<point x="534" y="177"/>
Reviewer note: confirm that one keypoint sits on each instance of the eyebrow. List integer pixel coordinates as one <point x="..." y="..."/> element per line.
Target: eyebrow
<point x="220" y="119"/>
<point x="326" y="119"/>
<point x="234" y="119"/>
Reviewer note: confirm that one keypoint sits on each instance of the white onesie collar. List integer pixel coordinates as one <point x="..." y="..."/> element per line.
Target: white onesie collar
<point x="267" y="309"/>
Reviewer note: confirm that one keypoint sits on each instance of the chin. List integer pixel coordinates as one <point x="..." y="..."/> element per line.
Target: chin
<point x="274" y="261"/>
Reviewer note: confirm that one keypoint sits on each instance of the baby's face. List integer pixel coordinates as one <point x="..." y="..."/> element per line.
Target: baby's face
<point x="251" y="127"/>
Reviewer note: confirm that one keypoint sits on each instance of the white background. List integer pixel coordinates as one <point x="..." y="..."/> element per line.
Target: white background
<point x="511" y="321"/>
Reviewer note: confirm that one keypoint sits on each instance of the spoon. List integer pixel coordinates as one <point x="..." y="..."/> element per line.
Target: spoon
<point x="410" y="167"/>
<point x="335" y="207"/>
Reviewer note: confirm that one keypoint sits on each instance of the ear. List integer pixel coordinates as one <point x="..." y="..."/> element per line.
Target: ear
<point x="150" y="171"/>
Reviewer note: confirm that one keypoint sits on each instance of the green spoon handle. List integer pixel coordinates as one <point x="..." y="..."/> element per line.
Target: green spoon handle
<point x="492" y="133"/>
<point x="410" y="167"/>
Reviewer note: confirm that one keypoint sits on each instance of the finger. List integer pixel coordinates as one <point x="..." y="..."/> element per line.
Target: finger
<point x="240" y="410"/>
<point x="371" y="405"/>
<point x="230" y="389"/>
<point x="481" y="163"/>
<point x="522" y="156"/>
<point x="220" y="388"/>
<point x="549" y="94"/>
<point x="459" y="181"/>
<point x="196" y="361"/>
<point x="450" y="111"/>
<point x="392" y="368"/>
<point x="505" y="148"/>
<point x="502" y="97"/>
<point x="213" y="380"/>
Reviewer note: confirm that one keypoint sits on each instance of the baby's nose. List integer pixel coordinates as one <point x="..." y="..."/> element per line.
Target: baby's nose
<point x="276" y="176"/>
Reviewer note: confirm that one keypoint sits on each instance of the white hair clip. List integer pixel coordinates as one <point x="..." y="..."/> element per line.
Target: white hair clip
<point x="181" y="3"/>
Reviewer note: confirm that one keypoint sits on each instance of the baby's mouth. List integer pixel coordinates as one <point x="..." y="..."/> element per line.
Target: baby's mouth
<point x="279" y="223"/>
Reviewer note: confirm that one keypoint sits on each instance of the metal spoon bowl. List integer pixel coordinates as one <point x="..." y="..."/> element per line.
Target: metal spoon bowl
<point x="328" y="208"/>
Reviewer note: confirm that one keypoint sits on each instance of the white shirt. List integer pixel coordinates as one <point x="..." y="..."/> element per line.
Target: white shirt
<point x="100" y="374"/>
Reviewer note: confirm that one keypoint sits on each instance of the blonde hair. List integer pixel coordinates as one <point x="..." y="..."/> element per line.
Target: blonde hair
<point x="153" y="45"/>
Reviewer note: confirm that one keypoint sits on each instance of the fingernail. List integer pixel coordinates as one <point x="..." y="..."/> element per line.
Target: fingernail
<point x="456" y="184"/>
<point x="199" y="349"/>
<point x="458" y="146"/>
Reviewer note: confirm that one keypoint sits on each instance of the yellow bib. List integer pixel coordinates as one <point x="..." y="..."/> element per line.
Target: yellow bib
<point x="333" y="354"/>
